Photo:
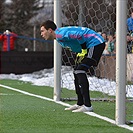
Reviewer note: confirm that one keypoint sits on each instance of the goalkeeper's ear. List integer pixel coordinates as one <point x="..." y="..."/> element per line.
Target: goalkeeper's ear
<point x="84" y="45"/>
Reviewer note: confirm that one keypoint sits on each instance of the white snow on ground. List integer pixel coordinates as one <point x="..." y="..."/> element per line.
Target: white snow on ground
<point x="46" y="78"/>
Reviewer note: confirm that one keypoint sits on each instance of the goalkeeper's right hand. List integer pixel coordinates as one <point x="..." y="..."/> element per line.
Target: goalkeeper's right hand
<point x="81" y="56"/>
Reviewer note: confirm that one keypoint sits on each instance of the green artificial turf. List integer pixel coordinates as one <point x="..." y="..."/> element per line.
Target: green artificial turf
<point x="21" y="113"/>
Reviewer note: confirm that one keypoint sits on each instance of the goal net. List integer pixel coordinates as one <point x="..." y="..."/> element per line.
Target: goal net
<point x="99" y="15"/>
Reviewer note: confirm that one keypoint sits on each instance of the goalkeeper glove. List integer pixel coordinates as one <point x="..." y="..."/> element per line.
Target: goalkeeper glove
<point x="80" y="56"/>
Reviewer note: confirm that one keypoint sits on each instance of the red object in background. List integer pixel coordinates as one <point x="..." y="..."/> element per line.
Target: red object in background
<point x="8" y="40"/>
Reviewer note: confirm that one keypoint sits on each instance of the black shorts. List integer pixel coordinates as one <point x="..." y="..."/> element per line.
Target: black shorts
<point x="92" y="58"/>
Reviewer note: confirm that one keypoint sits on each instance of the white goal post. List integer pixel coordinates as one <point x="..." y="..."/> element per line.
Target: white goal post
<point x="57" y="53"/>
<point x="121" y="12"/>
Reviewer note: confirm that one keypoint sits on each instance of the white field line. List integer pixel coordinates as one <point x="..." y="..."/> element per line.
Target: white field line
<point x="68" y="105"/>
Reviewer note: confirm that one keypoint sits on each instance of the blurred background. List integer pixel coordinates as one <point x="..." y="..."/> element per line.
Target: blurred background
<point x="25" y="17"/>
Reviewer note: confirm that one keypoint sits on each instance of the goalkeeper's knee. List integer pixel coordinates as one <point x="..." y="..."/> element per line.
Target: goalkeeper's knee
<point x="85" y="69"/>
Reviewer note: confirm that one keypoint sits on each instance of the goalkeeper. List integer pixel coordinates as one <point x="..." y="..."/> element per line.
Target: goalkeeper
<point x="89" y="47"/>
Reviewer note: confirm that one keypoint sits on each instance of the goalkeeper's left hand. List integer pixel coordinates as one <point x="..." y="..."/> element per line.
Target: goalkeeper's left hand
<point x="81" y="56"/>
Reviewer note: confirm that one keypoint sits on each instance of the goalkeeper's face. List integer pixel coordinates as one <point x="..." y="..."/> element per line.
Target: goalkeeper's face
<point x="46" y="34"/>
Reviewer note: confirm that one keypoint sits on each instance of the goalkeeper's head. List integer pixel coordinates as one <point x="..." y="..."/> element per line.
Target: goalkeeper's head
<point x="47" y="29"/>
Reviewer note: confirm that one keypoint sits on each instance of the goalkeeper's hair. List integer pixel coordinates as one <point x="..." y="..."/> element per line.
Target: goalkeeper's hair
<point x="49" y="24"/>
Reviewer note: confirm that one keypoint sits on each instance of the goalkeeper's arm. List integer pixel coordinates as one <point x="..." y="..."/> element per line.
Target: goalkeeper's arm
<point x="83" y="46"/>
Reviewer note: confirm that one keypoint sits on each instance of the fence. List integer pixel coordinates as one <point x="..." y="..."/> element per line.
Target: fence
<point x="25" y="43"/>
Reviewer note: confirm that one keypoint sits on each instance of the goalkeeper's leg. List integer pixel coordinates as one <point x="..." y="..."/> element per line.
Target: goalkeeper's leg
<point x="82" y="87"/>
<point x="78" y="91"/>
<point x="79" y="95"/>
